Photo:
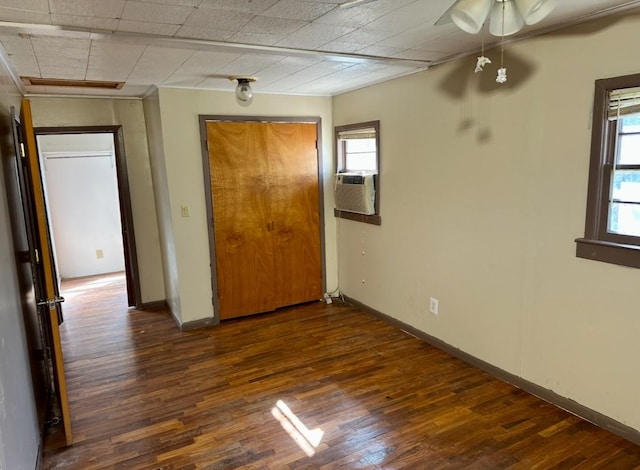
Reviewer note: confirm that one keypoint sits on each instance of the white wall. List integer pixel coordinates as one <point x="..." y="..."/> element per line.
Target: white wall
<point x="179" y="110"/>
<point x="483" y="193"/>
<point x="163" y="204"/>
<point x="83" y="203"/>
<point x="61" y="112"/>
<point x="19" y="434"/>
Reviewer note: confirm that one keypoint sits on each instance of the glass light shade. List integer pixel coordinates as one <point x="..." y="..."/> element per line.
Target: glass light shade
<point x="505" y="12"/>
<point x="533" y="11"/>
<point x="244" y="92"/>
<point x="470" y="15"/>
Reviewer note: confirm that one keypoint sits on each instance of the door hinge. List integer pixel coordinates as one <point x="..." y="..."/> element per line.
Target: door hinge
<point x="51" y="303"/>
<point x="22" y="152"/>
<point x="37" y="256"/>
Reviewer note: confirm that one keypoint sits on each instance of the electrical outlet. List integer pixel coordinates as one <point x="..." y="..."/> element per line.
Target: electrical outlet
<point x="433" y="305"/>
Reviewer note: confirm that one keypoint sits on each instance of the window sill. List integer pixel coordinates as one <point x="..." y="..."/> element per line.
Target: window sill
<point x="367" y="219"/>
<point x="608" y="252"/>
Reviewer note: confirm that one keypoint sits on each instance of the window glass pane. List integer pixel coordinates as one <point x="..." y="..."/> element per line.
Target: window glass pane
<point x="629" y="151"/>
<point x="360" y="154"/>
<point x="361" y="145"/>
<point x="360" y="161"/>
<point x="626" y="186"/>
<point x="624" y="219"/>
<point x="631" y="123"/>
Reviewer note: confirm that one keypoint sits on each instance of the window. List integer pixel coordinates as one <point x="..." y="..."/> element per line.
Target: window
<point x="358" y="150"/>
<point x="612" y="229"/>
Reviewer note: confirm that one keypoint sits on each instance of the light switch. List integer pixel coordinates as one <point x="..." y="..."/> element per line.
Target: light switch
<point x="99" y="254"/>
<point x="185" y="211"/>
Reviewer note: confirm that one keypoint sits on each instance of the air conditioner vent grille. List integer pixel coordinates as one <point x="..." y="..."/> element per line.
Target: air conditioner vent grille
<point x="355" y="193"/>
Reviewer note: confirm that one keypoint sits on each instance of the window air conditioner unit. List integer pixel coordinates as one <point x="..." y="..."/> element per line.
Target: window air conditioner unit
<point x="355" y="192"/>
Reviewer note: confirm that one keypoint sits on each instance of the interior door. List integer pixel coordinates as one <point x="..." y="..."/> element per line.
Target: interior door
<point x="23" y="231"/>
<point x="50" y="303"/>
<point x="239" y="177"/>
<point x="293" y="158"/>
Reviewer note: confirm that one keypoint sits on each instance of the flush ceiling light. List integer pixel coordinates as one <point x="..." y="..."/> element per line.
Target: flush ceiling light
<point x="506" y="17"/>
<point x="244" y="93"/>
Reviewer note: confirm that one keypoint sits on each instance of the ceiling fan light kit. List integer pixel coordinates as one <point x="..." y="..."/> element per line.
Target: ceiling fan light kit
<point x="505" y="19"/>
<point x="470" y="15"/>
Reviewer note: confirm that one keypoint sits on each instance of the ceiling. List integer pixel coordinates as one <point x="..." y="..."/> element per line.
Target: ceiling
<point x="293" y="46"/>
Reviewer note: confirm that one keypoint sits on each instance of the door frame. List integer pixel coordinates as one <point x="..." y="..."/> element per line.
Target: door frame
<point x="132" y="273"/>
<point x="204" y="118"/>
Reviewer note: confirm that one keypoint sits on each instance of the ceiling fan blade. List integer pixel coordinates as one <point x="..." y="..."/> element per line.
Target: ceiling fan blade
<point x="446" y="16"/>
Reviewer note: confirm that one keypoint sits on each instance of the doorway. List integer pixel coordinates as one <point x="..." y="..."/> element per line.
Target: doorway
<point x="88" y="204"/>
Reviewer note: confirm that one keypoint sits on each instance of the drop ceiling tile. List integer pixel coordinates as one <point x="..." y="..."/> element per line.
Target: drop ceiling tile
<point x="203" y="33"/>
<point x="246" y="6"/>
<point x="300" y="61"/>
<point x="418" y="35"/>
<point x="276" y="26"/>
<point x="402" y="19"/>
<point x="200" y="66"/>
<point x="99" y="8"/>
<point x="217" y="83"/>
<point x="27" y="70"/>
<point x="32" y="5"/>
<point x="366" y="36"/>
<point x="94" y="23"/>
<point x="14" y="44"/>
<point x="184" y="3"/>
<point x="143" y="27"/>
<point x="226" y="20"/>
<point x="109" y="74"/>
<point x="256" y="38"/>
<point x="309" y="74"/>
<point x="105" y="55"/>
<point x="315" y="35"/>
<point x="298" y="10"/>
<point x="362" y="15"/>
<point x="157" y="64"/>
<point x="63" y="70"/>
<point x="381" y="51"/>
<point x="156" y="13"/>
<point x="418" y="54"/>
<point x="249" y="64"/>
<point x="48" y="48"/>
<point x="274" y="73"/>
<point x="343" y="47"/>
<point x="24" y="16"/>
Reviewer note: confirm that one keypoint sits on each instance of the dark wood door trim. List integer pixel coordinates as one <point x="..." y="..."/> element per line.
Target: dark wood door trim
<point x="124" y="199"/>
<point x="204" y="118"/>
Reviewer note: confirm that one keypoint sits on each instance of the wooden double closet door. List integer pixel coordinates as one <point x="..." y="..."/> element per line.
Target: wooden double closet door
<point x="266" y="215"/>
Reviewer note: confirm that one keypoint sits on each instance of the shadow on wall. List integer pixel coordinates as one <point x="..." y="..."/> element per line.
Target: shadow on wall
<point x="462" y="80"/>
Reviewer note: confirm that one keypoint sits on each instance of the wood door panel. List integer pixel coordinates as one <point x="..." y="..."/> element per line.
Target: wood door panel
<point x="50" y="288"/>
<point x="293" y="158"/>
<point x="241" y="214"/>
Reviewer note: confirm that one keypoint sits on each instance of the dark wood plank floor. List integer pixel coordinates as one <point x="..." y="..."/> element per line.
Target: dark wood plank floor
<point x="353" y="391"/>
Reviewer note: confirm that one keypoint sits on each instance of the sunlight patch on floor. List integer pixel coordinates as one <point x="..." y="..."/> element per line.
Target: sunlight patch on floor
<point x="307" y="440"/>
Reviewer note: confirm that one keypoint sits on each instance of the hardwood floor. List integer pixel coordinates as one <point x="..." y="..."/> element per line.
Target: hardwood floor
<point x="354" y="391"/>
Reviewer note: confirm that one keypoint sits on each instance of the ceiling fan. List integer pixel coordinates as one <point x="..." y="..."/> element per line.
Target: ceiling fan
<point x="505" y="17"/>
